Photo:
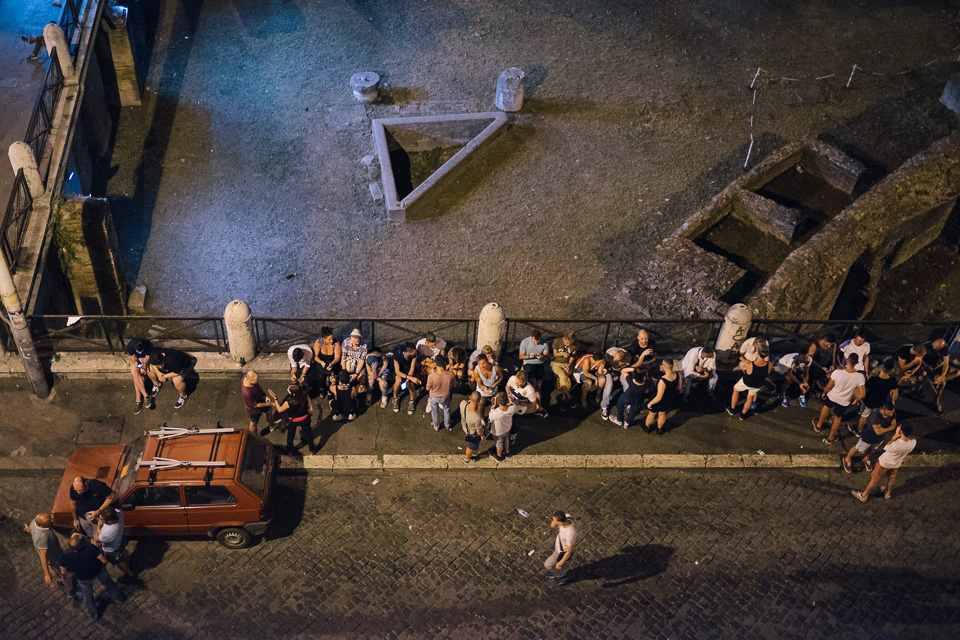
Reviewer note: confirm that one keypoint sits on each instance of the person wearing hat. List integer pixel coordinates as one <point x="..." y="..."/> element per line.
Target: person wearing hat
<point x="139" y="352"/>
<point x="354" y="361"/>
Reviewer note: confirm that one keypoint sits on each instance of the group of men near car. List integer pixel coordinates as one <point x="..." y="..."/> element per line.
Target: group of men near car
<point x="97" y="540"/>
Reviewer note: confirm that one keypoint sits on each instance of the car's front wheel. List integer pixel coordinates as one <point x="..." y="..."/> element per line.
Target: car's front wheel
<point x="234" y="537"/>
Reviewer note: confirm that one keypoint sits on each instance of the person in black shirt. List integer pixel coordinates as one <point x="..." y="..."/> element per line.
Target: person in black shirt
<point x="406" y="367"/>
<point x="643" y="350"/>
<point x="879" y="389"/>
<point x="87" y="498"/>
<point x="909" y="360"/>
<point x="86" y="563"/>
<point x="937" y="369"/>
<point x="169" y="364"/>
<point x="139" y="353"/>
<point x="823" y="360"/>
<point x="297" y="409"/>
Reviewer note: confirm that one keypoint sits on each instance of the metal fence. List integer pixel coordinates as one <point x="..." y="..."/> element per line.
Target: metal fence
<point x="41" y="122"/>
<point x="276" y="335"/>
<point x="13" y="225"/>
<point x="72" y="26"/>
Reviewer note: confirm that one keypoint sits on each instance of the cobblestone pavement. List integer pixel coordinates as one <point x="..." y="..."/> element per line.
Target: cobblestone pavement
<point x="428" y="555"/>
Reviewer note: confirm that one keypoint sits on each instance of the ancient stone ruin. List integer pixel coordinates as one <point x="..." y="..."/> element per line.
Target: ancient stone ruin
<point x="788" y="236"/>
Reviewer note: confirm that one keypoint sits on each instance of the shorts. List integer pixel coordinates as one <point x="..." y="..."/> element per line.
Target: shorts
<point x="534" y="371"/>
<point x="863" y="447"/>
<point x="255" y="417"/>
<point x="865" y="411"/>
<point x="741" y="387"/>
<point x="473" y="442"/>
<point x="501" y="440"/>
<point x="562" y="372"/>
<point x="116" y="557"/>
<point x="838" y="409"/>
<point x="879" y="471"/>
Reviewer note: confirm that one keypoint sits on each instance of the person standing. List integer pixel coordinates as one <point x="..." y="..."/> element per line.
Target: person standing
<point x="47" y="544"/>
<point x="440" y="387"/>
<point x="894" y="453"/>
<point x="139" y="353"/>
<point x="846" y="386"/>
<point x="109" y="538"/>
<point x="668" y="394"/>
<point x="880" y="421"/>
<point x="699" y="364"/>
<point x="85" y="562"/>
<point x="879" y="389"/>
<point x="297" y="407"/>
<point x="87" y="498"/>
<point x="534" y="353"/>
<point x="823" y="360"/>
<point x="255" y="401"/>
<point x="563" y="546"/>
<point x="861" y="347"/>
<point x="473" y="425"/>
<point x="755" y="372"/>
<point x="501" y="421"/>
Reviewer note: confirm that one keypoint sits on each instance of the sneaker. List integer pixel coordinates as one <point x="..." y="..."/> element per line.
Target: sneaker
<point x="337" y="417"/>
<point x="151" y="404"/>
<point x="410" y="408"/>
<point x="744" y="416"/>
<point x="939" y="410"/>
<point x="830" y="442"/>
<point x="383" y="403"/>
<point x="604" y="414"/>
<point x="859" y="496"/>
<point x="573" y="404"/>
<point x="753" y="407"/>
<point x="562" y="405"/>
<point x="467" y="460"/>
<point x="25" y="39"/>
<point x="616" y="421"/>
<point x="396" y="405"/>
<point x="886" y="495"/>
<point x="352" y="416"/>
<point x="867" y="464"/>
<point x="180" y="402"/>
<point x="852" y="431"/>
<point x="803" y="401"/>
<point x="155" y="390"/>
<point x="540" y="413"/>
<point x="428" y="408"/>
<point x="846" y="466"/>
<point x="815" y="427"/>
<point x="139" y="408"/>
<point x="729" y="411"/>
<point x="784" y="403"/>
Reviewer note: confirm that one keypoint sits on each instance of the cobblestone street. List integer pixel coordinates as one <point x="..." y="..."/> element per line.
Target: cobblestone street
<point x="445" y="555"/>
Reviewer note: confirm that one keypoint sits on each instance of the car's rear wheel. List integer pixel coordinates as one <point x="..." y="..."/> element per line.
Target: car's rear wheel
<point x="234" y="537"/>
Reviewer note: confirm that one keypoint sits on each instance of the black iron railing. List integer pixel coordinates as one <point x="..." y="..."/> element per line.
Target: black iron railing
<point x="13" y="225"/>
<point x="276" y="335"/>
<point x="41" y="122"/>
<point x="71" y="25"/>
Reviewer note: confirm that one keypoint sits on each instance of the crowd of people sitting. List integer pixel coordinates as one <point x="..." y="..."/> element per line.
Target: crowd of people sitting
<point x="563" y="375"/>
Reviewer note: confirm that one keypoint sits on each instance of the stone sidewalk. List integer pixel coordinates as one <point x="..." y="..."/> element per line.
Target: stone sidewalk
<point x="92" y="404"/>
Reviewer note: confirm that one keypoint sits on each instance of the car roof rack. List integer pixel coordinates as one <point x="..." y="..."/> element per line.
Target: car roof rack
<point x="160" y="463"/>
<point x="166" y="432"/>
<point x="170" y="463"/>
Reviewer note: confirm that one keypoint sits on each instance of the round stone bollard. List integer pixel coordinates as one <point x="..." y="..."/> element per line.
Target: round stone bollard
<point x="510" y="90"/>
<point x="492" y="328"/>
<point x="365" y="86"/>
<point x="736" y="325"/>
<point x="239" y="321"/>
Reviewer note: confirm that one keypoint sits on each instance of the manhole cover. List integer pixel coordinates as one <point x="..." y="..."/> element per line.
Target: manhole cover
<point x="8" y="82"/>
<point x="100" y="430"/>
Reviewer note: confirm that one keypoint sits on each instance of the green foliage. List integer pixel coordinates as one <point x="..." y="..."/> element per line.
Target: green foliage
<point x="66" y="239"/>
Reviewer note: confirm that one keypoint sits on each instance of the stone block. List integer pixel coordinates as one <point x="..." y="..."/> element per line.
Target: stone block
<point x="350" y="461"/>
<point x="545" y="461"/>
<point x="623" y="461"/>
<point x="437" y="461"/>
<point x="314" y="463"/>
<point x="770" y="217"/>
<point x="674" y="461"/>
<point x="724" y="461"/>
<point x="137" y="300"/>
<point x="814" y="460"/>
<point x="755" y="460"/>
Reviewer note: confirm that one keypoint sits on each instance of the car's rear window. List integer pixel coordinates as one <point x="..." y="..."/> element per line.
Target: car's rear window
<point x="253" y="468"/>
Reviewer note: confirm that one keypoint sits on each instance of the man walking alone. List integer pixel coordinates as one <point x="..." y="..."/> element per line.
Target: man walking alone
<point x="562" y="547"/>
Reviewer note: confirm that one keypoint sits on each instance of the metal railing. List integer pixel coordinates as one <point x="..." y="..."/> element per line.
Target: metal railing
<point x="72" y="26"/>
<point x="41" y="122"/>
<point x="276" y="335"/>
<point x="13" y="225"/>
<point x="112" y="333"/>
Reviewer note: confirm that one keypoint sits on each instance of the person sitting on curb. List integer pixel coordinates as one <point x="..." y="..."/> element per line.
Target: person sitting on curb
<point x="878" y="423"/>
<point x="406" y="368"/>
<point x="523" y="394"/>
<point x="893" y="456"/>
<point x="170" y="364"/>
<point x="299" y="356"/>
<point x="846" y="387"/>
<point x="487" y="378"/>
<point x="326" y="361"/>
<point x="630" y="401"/>
<point x="140" y="370"/>
<point x="589" y="371"/>
<point x="564" y="349"/>
<point x="343" y="403"/>
<point x="699" y="364"/>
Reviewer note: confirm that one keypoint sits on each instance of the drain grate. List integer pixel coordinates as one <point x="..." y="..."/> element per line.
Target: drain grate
<point x="100" y="430"/>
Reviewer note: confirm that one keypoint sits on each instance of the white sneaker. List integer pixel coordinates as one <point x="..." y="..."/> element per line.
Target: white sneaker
<point x="615" y="421"/>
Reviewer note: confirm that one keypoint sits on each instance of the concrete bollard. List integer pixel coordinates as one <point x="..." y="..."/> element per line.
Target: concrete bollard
<point x="54" y="40"/>
<point x="239" y="321"/>
<point x="21" y="157"/>
<point x="736" y="324"/>
<point x="510" y="90"/>
<point x="492" y="328"/>
<point x="365" y="86"/>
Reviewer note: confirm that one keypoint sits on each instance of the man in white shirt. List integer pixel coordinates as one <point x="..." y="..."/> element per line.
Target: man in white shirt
<point x="523" y="394"/>
<point x="893" y="455"/>
<point x="795" y="369"/>
<point x="109" y="538"/>
<point x="861" y="347"/>
<point x="845" y="387"/>
<point x="300" y="357"/>
<point x="700" y="363"/>
<point x="562" y="547"/>
<point x="501" y="421"/>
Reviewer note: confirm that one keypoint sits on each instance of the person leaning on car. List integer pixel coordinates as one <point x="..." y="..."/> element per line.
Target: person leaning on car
<point x="87" y="498"/>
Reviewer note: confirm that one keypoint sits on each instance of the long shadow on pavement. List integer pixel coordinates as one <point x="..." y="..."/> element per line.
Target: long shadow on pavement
<point x="631" y="564"/>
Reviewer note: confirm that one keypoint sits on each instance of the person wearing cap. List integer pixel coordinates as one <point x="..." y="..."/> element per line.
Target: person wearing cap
<point x="354" y="360"/>
<point x="139" y="352"/>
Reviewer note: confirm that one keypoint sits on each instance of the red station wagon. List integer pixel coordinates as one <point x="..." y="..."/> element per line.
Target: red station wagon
<point x="215" y="482"/>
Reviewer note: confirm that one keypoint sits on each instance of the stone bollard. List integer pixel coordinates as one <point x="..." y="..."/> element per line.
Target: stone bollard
<point x="492" y="328"/>
<point x="21" y="157"/>
<point x="239" y="321"/>
<point x="510" y="90"/>
<point x="54" y="40"/>
<point x="736" y="324"/>
<point x="365" y="86"/>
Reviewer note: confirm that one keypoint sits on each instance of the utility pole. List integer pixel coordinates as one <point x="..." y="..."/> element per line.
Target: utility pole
<point x="21" y="333"/>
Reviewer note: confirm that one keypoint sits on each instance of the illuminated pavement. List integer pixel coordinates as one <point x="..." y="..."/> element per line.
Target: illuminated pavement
<point x="750" y="554"/>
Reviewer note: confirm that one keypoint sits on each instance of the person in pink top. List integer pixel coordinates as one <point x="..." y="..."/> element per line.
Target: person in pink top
<point x="894" y="453"/>
<point x="440" y="386"/>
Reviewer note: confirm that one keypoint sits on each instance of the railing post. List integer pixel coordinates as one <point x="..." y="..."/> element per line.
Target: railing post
<point x="22" y="159"/>
<point x="21" y="334"/>
<point x="239" y="322"/>
<point x="736" y="324"/>
<point x="54" y="40"/>
<point x="492" y="327"/>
